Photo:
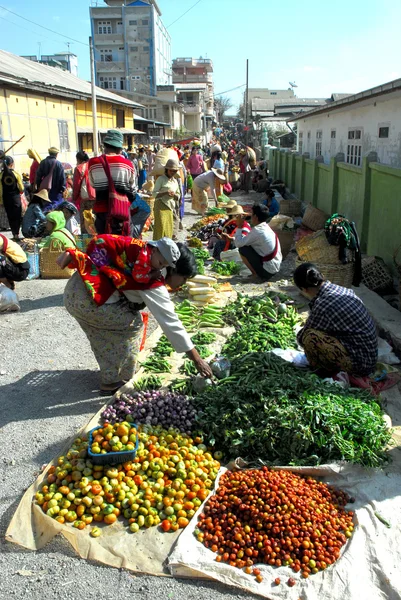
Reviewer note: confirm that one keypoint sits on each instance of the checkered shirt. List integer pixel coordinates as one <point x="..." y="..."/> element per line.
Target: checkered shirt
<point x="340" y="313"/>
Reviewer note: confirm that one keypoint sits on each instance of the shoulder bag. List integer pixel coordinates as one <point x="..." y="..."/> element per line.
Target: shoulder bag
<point x="47" y="181"/>
<point x="119" y="205"/>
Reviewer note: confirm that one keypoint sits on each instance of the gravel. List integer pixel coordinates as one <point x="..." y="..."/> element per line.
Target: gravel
<point x="49" y="389"/>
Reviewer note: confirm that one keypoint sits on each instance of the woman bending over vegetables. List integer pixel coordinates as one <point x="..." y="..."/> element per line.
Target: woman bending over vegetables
<point x="339" y="334"/>
<point x="105" y="296"/>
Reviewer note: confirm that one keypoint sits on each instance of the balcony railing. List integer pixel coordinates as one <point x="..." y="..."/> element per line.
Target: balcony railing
<point x="207" y="78"/>
<point x="110" y="66"/>
<point x="110" y="38"/>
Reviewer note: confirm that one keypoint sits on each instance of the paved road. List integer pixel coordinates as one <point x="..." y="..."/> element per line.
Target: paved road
<point x="48" y="390"/>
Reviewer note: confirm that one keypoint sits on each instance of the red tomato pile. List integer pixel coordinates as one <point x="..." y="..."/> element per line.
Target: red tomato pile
<point x="277" y="518"/>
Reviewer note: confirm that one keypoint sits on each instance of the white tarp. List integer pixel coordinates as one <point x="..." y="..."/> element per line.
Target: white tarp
<point x="369" y="568"/>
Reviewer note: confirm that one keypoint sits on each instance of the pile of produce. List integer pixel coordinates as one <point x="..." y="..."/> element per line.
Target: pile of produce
<point x="204" y="337"/>
<point x="215" y="211"/>
<point x="270" y="409"/>
<point x="210" y="220"/>
<point x="171" y="475"/>
<point x="201" y="257"/>
<point x="201" y="289"/>
<point x="153" y="408"/>
<point x="276" y="518"/>
<point x="205" y="231"/>
<point x="262" y="324"/>
<point x="194" y="243"/>
<point x="117" y="437"/>
<point x="226" y="268"/>
<point x="156" y="364"/>
<point x="163" y="347"/>
<point x="148" y="382"/>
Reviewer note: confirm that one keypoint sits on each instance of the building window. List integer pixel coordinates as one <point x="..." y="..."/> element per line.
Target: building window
<point x="121" y="48"/>
<point x="122" y="83"/>
<point x="145" y="22"/>
<point x="333" y="134"/>
<point x="384" y="132"/>
<point x="63" y="135"/>
<point x="146" y="48"/>
<point x="300" y="141"/>
<point x="319" y="136"/>
<point x="308" y="135"/>
<point x="106" y="55"/>
<point x="131" y="23"/>
<point x="104" y="27"/>
<point x="119" y="22"/>
<point x="108" y="83"/>
<point x="273" y="93"/>
<point x="134" y="49"/>
<point x="120" y="118"/>
<point x="354" y="147"/>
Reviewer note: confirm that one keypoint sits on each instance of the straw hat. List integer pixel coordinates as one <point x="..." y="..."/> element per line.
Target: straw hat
<point x="173" y="165"/>
<point x="44" y="195"/>
<point x="230" y="204"/>
<point x="237" y="211"/>
<point x="219" y="173"/>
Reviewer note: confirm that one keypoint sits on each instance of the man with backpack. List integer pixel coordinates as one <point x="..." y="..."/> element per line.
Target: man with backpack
<point x="50" y="176"/>
<point x="113" y="178"/>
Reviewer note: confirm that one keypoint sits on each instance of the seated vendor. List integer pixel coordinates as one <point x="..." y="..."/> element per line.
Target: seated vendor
<point x="260" y="250"/>
<point x="236" y="216"/>
<point x="70" y="212"/>
<point x="339" y="334"/>
<point x="14" y="265"/>
<point x="271" y="203"/>
<point x="34" y="220"/>
<point x="57" y="234"/>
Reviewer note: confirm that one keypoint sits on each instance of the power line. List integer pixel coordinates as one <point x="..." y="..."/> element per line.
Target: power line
<point x="44" y="37"/>
<point x="183" y="14"/>
<point x="43" y="27"/>
<point x="232" y="89"/>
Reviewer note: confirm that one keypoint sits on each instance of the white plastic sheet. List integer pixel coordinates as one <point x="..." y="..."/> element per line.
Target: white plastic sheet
<point x="368" y="568"/>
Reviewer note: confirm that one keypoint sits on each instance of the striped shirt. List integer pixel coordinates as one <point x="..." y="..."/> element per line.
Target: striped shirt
<point x="122" y="173"/>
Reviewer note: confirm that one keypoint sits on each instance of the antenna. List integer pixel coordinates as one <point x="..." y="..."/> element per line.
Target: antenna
<point x="293" y="85"/>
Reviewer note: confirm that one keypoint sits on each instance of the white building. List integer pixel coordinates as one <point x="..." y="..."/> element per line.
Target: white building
<point x="355" y="125"/>
<point x="62" y="60"/>
<point x="193" y="80"/>
<point x="132" y="46"/>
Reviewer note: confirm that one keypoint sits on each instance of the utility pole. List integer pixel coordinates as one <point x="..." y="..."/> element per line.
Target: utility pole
<point x="204" y="117"/>
<point x="246" y="101"/>
<point x="94" y="103"/>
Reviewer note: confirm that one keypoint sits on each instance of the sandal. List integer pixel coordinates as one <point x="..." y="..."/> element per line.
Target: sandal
<point x="111" y="388"/>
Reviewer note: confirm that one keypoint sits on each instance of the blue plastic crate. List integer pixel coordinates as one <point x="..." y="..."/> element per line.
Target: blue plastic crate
<point x="112" y="458"/>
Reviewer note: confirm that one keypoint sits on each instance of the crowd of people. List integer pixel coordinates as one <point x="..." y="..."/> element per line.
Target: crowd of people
<point x="113" y="197"/>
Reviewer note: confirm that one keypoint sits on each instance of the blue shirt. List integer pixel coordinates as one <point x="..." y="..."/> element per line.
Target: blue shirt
<point x="274" y="207"/>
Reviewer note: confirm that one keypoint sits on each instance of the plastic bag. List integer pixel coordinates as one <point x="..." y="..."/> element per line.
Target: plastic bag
<point x="386" y="354"/>
<point x="234" y="255"/>
<point x="221" y="367"/>
<point x="280" y="221"/>
<point x="8" y="300"/>
<point x="161" y="160"/>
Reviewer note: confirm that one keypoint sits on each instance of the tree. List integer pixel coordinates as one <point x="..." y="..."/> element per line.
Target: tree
<point x="222" y="104"/>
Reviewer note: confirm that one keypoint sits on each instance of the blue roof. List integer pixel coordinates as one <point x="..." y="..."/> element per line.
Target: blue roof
<point x="138" y="3"/>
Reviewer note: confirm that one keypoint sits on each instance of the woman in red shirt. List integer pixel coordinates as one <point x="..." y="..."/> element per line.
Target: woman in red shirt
<point x="83" y="194"/>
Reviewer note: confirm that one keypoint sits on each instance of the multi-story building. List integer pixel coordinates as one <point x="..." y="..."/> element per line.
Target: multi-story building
<point x="62" y="60"/>
<point x="193" y="80"/>
<point x="132" y="46"/>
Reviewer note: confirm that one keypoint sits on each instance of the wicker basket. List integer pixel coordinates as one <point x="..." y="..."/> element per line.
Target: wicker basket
<point x="290" y="208"/>
<point x="314" y="218"/>
<point x="375" y="274"/>
<point x="338" y="274"/>
<point x="49" y="269"/>
<point x="316" y="248"/>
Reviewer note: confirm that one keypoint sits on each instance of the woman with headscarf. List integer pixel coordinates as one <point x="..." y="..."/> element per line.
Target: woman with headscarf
<point x="11" y="188"/>
<point x="167" y="194"/>
<point x="36" y="160"/>
<point x="108" y="309"/>
<point x="58" y="236"/>
<point x="83" y="194"/>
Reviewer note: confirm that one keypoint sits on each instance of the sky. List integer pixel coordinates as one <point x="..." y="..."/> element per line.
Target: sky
<point x="323" y="47"/>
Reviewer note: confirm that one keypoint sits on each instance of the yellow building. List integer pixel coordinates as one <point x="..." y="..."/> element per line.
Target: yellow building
<point x="51" y="107"/>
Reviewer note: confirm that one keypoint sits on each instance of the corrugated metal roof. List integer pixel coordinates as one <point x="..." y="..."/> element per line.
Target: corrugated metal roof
<point x="28" y="74"/>
<point x="347" y="100"/>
